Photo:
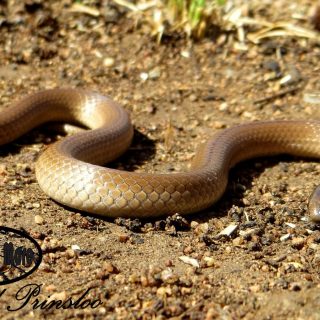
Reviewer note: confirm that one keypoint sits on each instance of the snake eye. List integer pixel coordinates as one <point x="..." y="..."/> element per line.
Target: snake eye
<point x="314" y="205"/>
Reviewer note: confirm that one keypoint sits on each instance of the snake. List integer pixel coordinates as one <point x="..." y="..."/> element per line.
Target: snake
<point x="71" y="171"/>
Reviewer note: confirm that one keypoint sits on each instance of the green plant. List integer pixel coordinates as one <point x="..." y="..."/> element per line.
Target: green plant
<point x="194" y="15"/>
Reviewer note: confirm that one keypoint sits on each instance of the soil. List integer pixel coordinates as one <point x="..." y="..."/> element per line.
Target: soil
<point x="264" y="266"/>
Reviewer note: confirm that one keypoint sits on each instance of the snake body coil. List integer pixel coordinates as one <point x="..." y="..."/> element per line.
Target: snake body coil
<point x="69" y="171"/>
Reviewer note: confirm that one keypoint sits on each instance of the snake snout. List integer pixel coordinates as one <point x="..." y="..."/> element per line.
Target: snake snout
<point x="314" y="205"/>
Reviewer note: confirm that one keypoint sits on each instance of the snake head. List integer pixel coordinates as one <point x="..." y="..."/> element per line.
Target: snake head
<point x="314" y="205"/>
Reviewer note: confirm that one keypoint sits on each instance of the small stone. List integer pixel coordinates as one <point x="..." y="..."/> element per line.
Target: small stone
<point x="255" y="288"/>
<point x="102" y="310"/>
<point x="212" y="313"/>
<point x="238" y="241"/>
<point x="26" y="55"/>
<point x="169" y="263"/>
<point x="155" y="73"/>
<point x="223" y="106"/>
<point x="134" y="278"/>
<point x="3" y="169"/>
<point x="298" y="243"/>
<point x="209" y="261"/>
<point x="144" y="280"/>
<point x="295" y="286"/>
<point x="164" y="291"/>
<point x="108" y="62"/>
<point x="70" y="253"/>
<point x="185" y="53"/>
<point x="144" y="76"/>
<point x="151" y="109"/>
<point x="194" y="224"/>
<point x="166" y="274"/>
<point x="202" y="228"/>
<point x="228" y="249"/>
<point x="285" y="237"/>
<point x="123" y="238"/>
<point x="38" y="219"/>
<point x="293" y="76"/>
<point x="36" y="205"/>
<point x="229" y="230"/>
<point x="188" y="250"/>
<point x="64" y="53"/>
<point x="109" y="267"/>
<point x="75" y="247"/>
<point x="219" y="125"/>
<point x="29" y="205"/>
<point x="120" y="279"/>
<point x="191" y="261"/>
<point x="58" y="296"/>
<point x="50" y="288"/>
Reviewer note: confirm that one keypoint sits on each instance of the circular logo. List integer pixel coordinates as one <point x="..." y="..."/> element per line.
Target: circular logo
<point x="21" y="255"/>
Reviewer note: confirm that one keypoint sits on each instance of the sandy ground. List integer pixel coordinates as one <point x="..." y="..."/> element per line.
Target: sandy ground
<point x="267" y="268"/>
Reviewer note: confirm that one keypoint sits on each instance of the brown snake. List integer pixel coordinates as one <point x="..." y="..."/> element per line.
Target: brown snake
<point x="69" y="171"/>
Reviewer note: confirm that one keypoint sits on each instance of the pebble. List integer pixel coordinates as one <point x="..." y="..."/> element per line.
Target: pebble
<point x="194" y="224"/>
<point x="164" y="291"/>
<point x="29" y="205"/>
<point x="312" y="97"/>
<point x="238" y="241"/>
<point x="285" y="237"/>
<point x="69" y="253"/>
<point x="38" y="219"/>
<point x="75" y="247"/>
<point x="219" y="125"/>
<point x="169" y="263"/>
<point x="50" y="288"/>
<point x="294" y="286"/>
<point x="248" y="232"/>
<point x="223" y="106"/>
<point x="188" y="250"/>
<point x="255" y="288"/>
<point x="58" y="296"/>
<point x="228" y="249"/>
<point x="154" y="73"/>
<point x="191" y="261"/>
<point x="36" y="205"/>
<point x="185" y="53"/>
<point x="298" y="243"/>
<point x="228" y="230"/>
<point x="209" y="261"/>
<point x="201" y="228"/>
<point x="293" y="76"/>
<point x="108" y="62"/>
<point x="3" y="169"/>
<point x="134" y="278"/>
<point x="193" y="98"/>
<point x="144" y="76"/>
<point x="109" y="267"/>
<point x="185" y="290"/>
<point x="120" y="279"/>
<point x="166" y="274"/>
<point x="124" y="238"/>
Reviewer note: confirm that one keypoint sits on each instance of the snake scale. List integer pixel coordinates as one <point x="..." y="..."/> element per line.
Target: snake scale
<point x="70" y="171"/>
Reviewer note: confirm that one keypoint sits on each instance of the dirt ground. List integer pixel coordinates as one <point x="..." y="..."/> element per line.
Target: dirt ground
<point x="178" y="94"/>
